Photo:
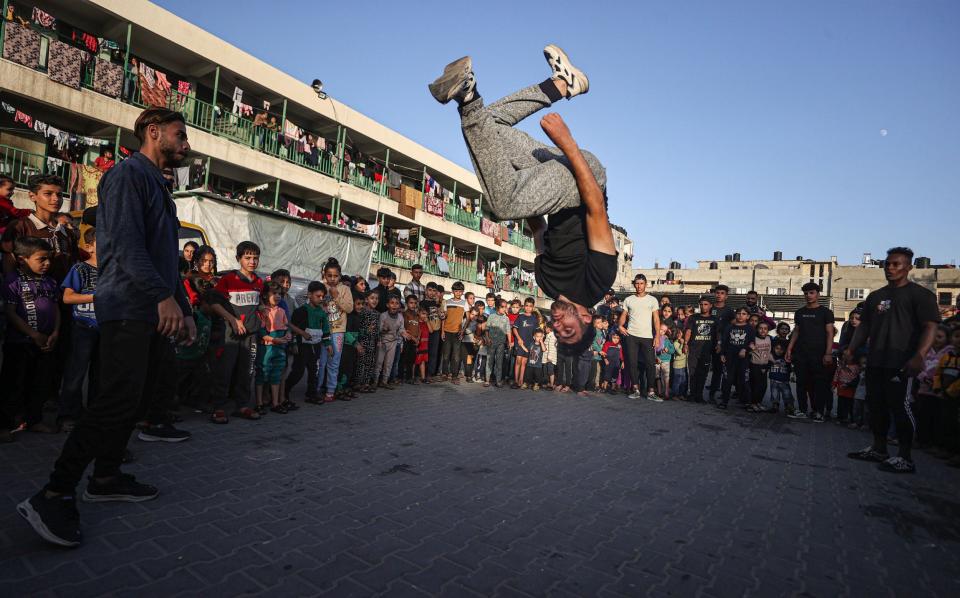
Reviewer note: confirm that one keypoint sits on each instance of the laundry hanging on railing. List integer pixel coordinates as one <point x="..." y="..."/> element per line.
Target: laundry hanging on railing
<point x="21" y="45"/>
<point x="151" y="93"/>
<point x="107" y="78"/>
<point x="63" y="63"/>
<point x="433" y="205"/>
<point x="43" y="19"/>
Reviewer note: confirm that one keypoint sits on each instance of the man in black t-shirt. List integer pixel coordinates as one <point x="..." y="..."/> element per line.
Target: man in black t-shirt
<point x="523" y="178"/>
<point x="898" y="324"/>
<point x="700" y="341"/>
<point x="725" y="316"/>
<point x="811" y="353"/>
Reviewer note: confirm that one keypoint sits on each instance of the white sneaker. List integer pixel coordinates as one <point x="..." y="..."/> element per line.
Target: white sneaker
<point x="456" y="83"/>
<point x="634" y="395"/>
<point x="797" y="415"/>
<point x="577" y="82"/>
<point x="653" y="397"/>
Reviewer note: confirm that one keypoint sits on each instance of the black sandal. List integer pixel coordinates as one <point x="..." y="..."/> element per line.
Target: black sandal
<point x="290" y="405"/>
<point x="279" y="409"/>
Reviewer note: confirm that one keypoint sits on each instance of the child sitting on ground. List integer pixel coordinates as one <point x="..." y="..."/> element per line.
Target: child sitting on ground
<point x="33" y="318"/>
<point x="273" y="337"/>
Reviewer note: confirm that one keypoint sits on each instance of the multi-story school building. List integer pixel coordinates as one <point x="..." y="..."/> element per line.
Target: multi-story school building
<point x="75" y="74"/>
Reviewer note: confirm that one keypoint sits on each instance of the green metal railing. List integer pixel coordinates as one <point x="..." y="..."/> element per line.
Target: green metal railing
<point x="520" y="240"/>
<point x="20" y="165"/>
<point x="455" y="214"/>
<point x="463" y="271"/>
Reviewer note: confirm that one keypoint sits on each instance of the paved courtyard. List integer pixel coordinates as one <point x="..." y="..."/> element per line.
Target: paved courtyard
<point x="463" y="491"/>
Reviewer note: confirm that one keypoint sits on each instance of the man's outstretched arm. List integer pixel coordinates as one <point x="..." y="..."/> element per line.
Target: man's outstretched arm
<point x="599" y="234"/>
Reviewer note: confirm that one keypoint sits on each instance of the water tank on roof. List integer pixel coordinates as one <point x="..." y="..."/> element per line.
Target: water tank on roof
<point x="728" y="258"/>
<point x="736" y="257"/>
<point x="713" y="265"/>
<point x="670" y="276"/>
<point x="922" y="262"/>
<point x="777" y="256"/>
<point x="799" y="258"/>
<point x="675" y="265"/>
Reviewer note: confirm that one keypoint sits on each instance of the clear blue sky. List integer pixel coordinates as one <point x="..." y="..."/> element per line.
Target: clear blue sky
<point x="724" y="126"/>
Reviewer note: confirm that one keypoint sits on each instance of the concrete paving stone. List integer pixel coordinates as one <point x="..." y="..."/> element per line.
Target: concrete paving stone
<point x="327" y="575"/>
<point x="120" y="578"/>
<point x="381" y="576"/>
<point x="434" y="577"/>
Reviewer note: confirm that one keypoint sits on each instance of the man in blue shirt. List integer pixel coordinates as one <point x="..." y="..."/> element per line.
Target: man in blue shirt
<point x="142" y="310"/>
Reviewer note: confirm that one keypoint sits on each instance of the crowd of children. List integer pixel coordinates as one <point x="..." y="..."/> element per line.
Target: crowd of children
<point x="256" y="343"/>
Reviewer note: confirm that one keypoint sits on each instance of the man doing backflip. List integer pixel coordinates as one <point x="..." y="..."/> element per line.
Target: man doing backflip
<point x="523" y="178"/>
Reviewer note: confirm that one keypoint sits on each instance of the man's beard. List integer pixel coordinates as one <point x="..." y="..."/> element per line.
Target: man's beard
<point x="170" y="156"/>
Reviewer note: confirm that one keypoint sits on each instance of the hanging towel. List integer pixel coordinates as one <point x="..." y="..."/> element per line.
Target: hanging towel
<point x="91" y="178"/>
<point x="22" y="117"/>
<point x="54" y="165"/>
<point x="44" y="19"/>
<point x="108" y="78"/>
<point x="40" y="127"/>
<point x="8" y="108"/>
<point x="21" y="45"/>
<point x="63" y="64"/>
<point x="183" y="87"/>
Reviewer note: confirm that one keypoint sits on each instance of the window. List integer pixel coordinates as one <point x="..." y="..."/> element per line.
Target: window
<point x="857" y="294"/>
<point x="945" y="298"/>
<point x="741" y="291"/>
<point x="776" y="291"/>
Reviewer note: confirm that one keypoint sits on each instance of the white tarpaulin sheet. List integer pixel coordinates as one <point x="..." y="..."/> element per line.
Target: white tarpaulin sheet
<point x="284" y="242"/>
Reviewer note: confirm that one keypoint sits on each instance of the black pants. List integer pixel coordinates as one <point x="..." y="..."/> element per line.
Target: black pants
<point x="83" y="362"/>
<point x="813" y="378"/>
<point x="736" y="374"/>
<point x="193" y="382"/>
<point x="535" y="375"/>
<point x="306" y="360"/>
<point x="698" y="364"/>
<point x="132" y="359"/>
<point x="407" y="357"/>
<point x="641" y="361"/>
<point x="433" y="354"/>
<point x="566" y="364"/>
<point x="26" y="378"/>
<point x="232" y="370"/>
<point x="450" y="354"/>
<point x="886" y="394"/>
<point x="348" y="365"/>
<point x="581" y="372"/>
<point x="758" y="382"/>
<point x="718" y="373"/>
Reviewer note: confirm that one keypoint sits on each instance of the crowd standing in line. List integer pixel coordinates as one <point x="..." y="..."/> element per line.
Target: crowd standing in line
<point x="169" y="328"/>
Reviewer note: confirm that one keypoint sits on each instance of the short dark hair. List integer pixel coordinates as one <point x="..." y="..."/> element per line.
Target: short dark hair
<point x="414" y="297"/>
<point x="281" y="273"/>
<point x="246" y="247"/>
<point x="706" y="298"/>
<point x="26" y="246"/>
<point x="721" y="287"/>
<point x="4" y="179"/>
<point x="529" y="301"/>
<point x="744" y="310"/>
<point x="155" y="116"/>
<point x="642" y="277"/>
<point x="752" y="292"/>
<point x="810" y="286"/>
<point x="457" y="286"/>
<point x="383" y="272"/>
<point x="432" y="285"/>
<point x="316" y="285"/>
<point x="36" y="181"/>
<point x="90" y="236"/>
<point x="906" y="251"/>
<point x="416" y="267"/>
<point x="491" y="296"/>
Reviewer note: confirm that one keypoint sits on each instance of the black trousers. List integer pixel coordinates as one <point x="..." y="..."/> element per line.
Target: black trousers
<point x="716" y="379"/>
<point x="132" y="359"/>
<point x="566" y="364"/>
<point x="27" y="380"/>
<point x="736" y="374"/>
<point x="450" y="354"/>
<point x="306" y="360"/>
<point x="641" y="360"/>
<point x="758" y="382"/>
<point x="813" y="379"/>
<point x="433" y="354"/>
<point x="886" y="395"/>
<point x="699" y="356"/>
<point x="407" y="357"/>
<point x="82" y="363"/>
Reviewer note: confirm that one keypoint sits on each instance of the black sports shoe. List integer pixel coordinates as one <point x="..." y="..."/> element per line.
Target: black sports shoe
<point x="56" y="519"/>
<point x="897" y="465"/>
<point x="163" y="433"/>
<point x="121" y="488"/>
<point x="868" y="454"/>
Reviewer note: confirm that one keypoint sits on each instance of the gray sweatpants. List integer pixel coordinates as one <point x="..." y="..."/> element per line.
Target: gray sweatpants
<point x="521" y="177"/>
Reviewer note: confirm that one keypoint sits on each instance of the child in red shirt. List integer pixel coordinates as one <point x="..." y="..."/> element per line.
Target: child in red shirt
<point x="8" y="212"/>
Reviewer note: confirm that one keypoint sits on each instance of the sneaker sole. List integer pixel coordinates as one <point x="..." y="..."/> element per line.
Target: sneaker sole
<point x="87" y="497"/>
<point x="857" y="457"/>
<point x="27" y="511"/>
<point x="445" y="87"/>
<point x="551" y="52"/>
<point x="151" y="438"/>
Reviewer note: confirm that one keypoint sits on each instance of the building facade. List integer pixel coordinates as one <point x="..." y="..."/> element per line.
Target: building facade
<point x="74" y="80"/>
